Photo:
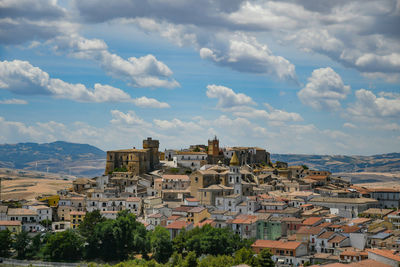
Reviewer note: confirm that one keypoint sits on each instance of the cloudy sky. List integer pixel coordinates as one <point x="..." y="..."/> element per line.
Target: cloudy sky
<point x="291" y="76"/>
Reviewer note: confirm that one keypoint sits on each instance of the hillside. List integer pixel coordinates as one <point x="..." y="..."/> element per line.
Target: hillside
<point x="57" y="157"/>
<point x="337" y="163"/>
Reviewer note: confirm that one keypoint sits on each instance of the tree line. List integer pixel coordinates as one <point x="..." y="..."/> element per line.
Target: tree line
<point x="127" y="241"/>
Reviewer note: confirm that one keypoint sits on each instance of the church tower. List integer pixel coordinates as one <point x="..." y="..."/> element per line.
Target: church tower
<point x="234" y="175"/>
<point x="213" y="147"/>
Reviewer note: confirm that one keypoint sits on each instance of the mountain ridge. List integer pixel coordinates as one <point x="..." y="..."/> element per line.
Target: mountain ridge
<point x="87" y="160"/>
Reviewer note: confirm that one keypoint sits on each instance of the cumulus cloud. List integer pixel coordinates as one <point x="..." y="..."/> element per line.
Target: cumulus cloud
<point x="20" y="77"/>
<point x="27" y="20"/>
<point x="245" y="54"/>
<point x="324" y="90"/>
<point x="129" y="118"/>
<point x="13" y="101"/>
<point x="144" y="71"/>
<point x="271" y="114"/>
<point x="349" y="125"/>
<point x="361" y="35"/>
<point x="369" y="106"/>
<point x="227" y="98"/>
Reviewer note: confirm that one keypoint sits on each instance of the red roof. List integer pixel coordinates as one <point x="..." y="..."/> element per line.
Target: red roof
<point x="10" y="223"/>
<point x="276" y="244"/>
<point x="312" y="220"/>
<point x="178" y="225"/>
<point x="385" y="253"/>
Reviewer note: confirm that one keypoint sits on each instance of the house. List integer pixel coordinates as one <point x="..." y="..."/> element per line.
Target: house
<point x="12" y="226"/>
<point x="191" y="201"/>
<point x="29" y="219"/>
<point x="270" y="228"/>
<point x="197" y="214"/>
<point x="192" y="160"/>
<point x="313" y="221"/>
<point x="176" y="227"/>
<point x="387" y="197"/>
<point x="60" y="226"/>
<point x="244" y="225"/>
<point x="289" y="252"/>
<point x="389" y="257"/>
<point x="352" y="255"/>
<point x="157" y="219"/>
<point x="308" y="235"/>
<point x="76" y="217"/>
<point x="134" y="204"/>
<point x="345" y="207"/>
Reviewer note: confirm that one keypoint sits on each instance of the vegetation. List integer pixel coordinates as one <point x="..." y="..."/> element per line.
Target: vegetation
<point x="125" y="239"/>
<point x="122" y="169"/>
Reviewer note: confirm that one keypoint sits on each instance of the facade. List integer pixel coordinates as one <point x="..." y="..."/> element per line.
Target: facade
<point x="192" y="160"/>
<point x="136" y="161"/>
<point x="345" y="207"/>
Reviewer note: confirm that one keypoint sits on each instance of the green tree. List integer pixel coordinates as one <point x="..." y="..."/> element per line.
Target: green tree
<point x="244" y="255"/>
<point x="21" y="244"/>
<point x="87" y="230"/>
<point x="264" y="259"/>
<point x="190" y="260"/>
<point x="34" y="247"/>
<point x="161" y="245"/>
<point x="64" y="246"/>
<point x="217" y="261"/>
<point x="5" y="243"/>
<point x="176" y="259"/>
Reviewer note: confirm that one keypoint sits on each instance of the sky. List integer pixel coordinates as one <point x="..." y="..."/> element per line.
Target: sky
<point x="310" y="77"/>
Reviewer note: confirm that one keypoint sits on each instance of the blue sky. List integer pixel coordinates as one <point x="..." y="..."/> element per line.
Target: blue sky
<point x="317" y="77"/>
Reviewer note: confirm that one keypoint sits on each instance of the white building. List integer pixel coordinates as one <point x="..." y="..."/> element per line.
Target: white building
<point x="192" y="160"/>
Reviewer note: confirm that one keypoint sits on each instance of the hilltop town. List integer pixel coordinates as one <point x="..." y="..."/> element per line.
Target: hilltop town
<point x="303" y="216"/>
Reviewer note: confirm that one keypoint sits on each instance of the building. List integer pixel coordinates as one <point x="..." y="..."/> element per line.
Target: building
<point x="197" y="214"/>
<point x="76" y="218"/>
<point x="287" y="253"/>
<point x="190" y="159"/>
<point x="248" y="155"/>
<point x="345" y="207"/>
<point x="12" y="226"/>
<point x="176" y="227"/>
<point x="136" y="161"/>
<point x="387" y="197"/>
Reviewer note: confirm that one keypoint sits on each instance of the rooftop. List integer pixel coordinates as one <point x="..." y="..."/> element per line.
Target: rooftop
<point x="276" y="244"/>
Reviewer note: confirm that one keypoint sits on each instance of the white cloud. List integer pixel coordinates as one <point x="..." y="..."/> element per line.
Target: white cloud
<point x="227" y="98"/>
<point x="21" y="77"/>
<point x="245" y="54"/>
<point x="324" y="90"/>
<point x="13" y="101"/>
<point x="273" y="114"/>
<point x="349" y="125"/>
<point x="129" y="118"/>
<point x="144" y="71"/>
<point x="369" y="106"/>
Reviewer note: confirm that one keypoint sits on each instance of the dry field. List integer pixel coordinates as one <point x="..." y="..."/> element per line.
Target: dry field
<point x="18" y="187"/>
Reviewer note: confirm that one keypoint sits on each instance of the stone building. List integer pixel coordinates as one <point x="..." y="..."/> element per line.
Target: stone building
<point x="136" y="161"/>
<point x="214" y="154"/>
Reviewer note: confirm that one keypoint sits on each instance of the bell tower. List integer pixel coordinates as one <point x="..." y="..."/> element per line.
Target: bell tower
<point x="213" y="147"/>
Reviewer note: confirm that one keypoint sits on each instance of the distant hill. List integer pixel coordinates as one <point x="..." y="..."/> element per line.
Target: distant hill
<point x="86" y="160"/>
<point x="57" y="157"/>
<point x="337" y="163"/>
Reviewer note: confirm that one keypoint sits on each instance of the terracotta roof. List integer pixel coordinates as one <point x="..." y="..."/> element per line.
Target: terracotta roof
<point x="385" y="253"/>
<point x="21" y="212"/>
<point x="245" y="219"/>
<point x="196" y="209"/>
<point x="337" y="239"/>
<point x="309" y="230"/>
<point x="326" y="235"/>
<point x="207" y="221"/>
<point x="178" y="225"/>
<point x="10" y="223"/>
<point x="360" y="220"/>
<point x="350" y="229"/>
<point x="173" y="217"/>
<point x="353" y="253"/>
<point x="369" y="263"/>
<point x="276" y="244"/>
<point x="312" y="220"/>
<point x="155" y="215"/>
<point x="182" y="209"/>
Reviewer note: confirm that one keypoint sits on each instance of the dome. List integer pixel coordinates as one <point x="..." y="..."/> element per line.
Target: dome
<point x="234" y="160"/>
